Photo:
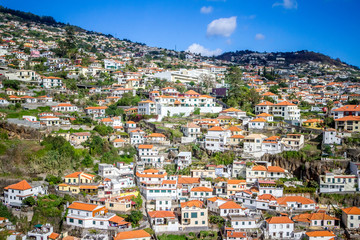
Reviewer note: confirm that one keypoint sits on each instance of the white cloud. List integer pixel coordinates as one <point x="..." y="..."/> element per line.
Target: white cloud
<point x="197" y="48"/>
<point x="222" y="27"/>
<point x="288" y="4"/>
<point x="259" y="36"/>
<point x="206" y="10"/>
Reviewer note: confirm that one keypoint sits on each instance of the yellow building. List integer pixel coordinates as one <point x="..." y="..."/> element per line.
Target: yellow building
<point x="234" y="186"/>
<point x="194" y="214"/>
<point x="349" y="123"/>
<point x="77" y="182"/>
<point x="313" y="123"/>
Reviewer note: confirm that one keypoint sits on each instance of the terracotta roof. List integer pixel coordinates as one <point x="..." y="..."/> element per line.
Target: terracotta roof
<point x="83" y="206"/>
<point x="258" y="120"/>
<point x="132" y="234"/>
<point x="161" y="214"/>
<point x="117" y="219"/>
<point x="54" y="235"/>
<point x="275" y="169"/>
<point x="201" y="189"/>
<point x="145" y="146"/>
<point x="230" y="205"/>
<point x="307" y="217"/>
<point x="231" y="234"/>
<point x="352" y="210"/>
<point x="213" y="199"/>
<point x="188" y="180"/>
<point x="278" y="220"/>
<point x="232" y="110"/>
<point x="235" y="181"/>
<point x="119" y="140"/>
<point x="76" y="174"/>
<point x="237" y="136"/>
<point x="267" y="196"/>
<point x="285" y="103"/>
<point x="192" y="203"/>
<point x="347" y="108"/>
<point x="265" y="103"/>
<point x="348" y="118"/>
<point x="299" y="199"/>
<point x="156" y="135"/>
<point x="218" y="129"/>
<point x="269" y="94"/>
<point x="103" y="107"/>
<point x="23" y="185"/>
<point x="258" y="168"/>
<point x="264" y="115"/>
<point x="320" y="234"/>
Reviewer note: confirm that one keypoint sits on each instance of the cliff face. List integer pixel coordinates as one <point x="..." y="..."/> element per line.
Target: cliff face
<point x="304" y="170"/>
<point x="20" y="132"/>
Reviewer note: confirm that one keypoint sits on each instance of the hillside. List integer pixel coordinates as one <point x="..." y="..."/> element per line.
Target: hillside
<point x="280" y="58"/>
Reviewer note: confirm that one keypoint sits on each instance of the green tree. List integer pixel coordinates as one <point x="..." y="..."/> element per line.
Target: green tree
<point x="87" y="161"/>
<point x="30" y="201"/>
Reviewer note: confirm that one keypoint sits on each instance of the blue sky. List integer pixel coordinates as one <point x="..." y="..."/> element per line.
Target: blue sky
<point x="214" y="26"/>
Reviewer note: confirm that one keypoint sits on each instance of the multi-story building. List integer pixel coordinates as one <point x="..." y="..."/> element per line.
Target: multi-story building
<point x="77" y="182"/>
<point x="351" y="217"/>
<point x="87" y="215"/>
<point x="344" y="111"/>
<point x="216" y="139"/>
<point x="14" y="194"/>
<point x="64" y="107"/>
<point x="331" y="182"/>
<point x="286" y="110"/>
<point x="331" y="136"/>
<point x="52" y="82"/>
<point x="279" y="228"/>
<point x="233" y="186"/>
<point x="348" y="123"/>
<point x="194" y="215"/>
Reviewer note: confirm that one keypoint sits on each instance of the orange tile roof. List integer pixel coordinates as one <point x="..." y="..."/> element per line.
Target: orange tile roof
<point x="161" y="214"/>
<point x="234" y="129"/>
<point x="151" y="171"/>
<point x="76" y="174"/>
<point x="213" y="199"/>
<point x="269" y="94"/>
<point x="267" y="196"/>
<point x="237" y="136"/>
<point x="83" y="206"/>
<point x="201" y="189"/>
<point x="258" y="120"/>
<point x="54" y="235"/>
<point x="119" y="140"/>
<point x="192" y="203"/>
<point x="230" y="205"/>
<point x="22" y="185"/>
<point x="299" y="199"/>
<point x="275" y="169"/>
<point x="348" y="108"/>
<point x="145" y="146"/>
<point x="235" y="181"/>
<point x="218" y="129"/>
<point x="352" y="210"/>
<point x="320" y="234"/>
<point x="188" y="180"/>
<point x="348" y="118"/>
<point x="232" y="110"/>
<point x="132" y="235"/>
<point x="231" y="234"/>
<point x="264" y="115"/>
<point x="278" y="220"/>
<point x="285" y="103"/>
<point x="265" y="103"/>
<point x="258" y="168"/>
<point x="117" y="219"/>
<point x="156" y="135"/>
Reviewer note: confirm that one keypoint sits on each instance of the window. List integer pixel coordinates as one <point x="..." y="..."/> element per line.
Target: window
<point x="80" y="221"/>
<point x="71" y="220"/>
<point x="196" y="222"/>
<point x="101" y="223"/>
<point x="94" y="222"/>
<point x="186" y="215"/>
<point x="203" y="222"/>
<point x="202" y="214"/>
<point x="194" y="215"/>
<point x="351" y="217"/>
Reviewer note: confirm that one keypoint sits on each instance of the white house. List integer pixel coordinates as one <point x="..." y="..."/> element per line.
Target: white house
<point x="351" y="217"/>
<point x="279" y="228"/>
<point x="14" y="194"/>
<point x="87" y="215"/>
<point x="330" y="136"/>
